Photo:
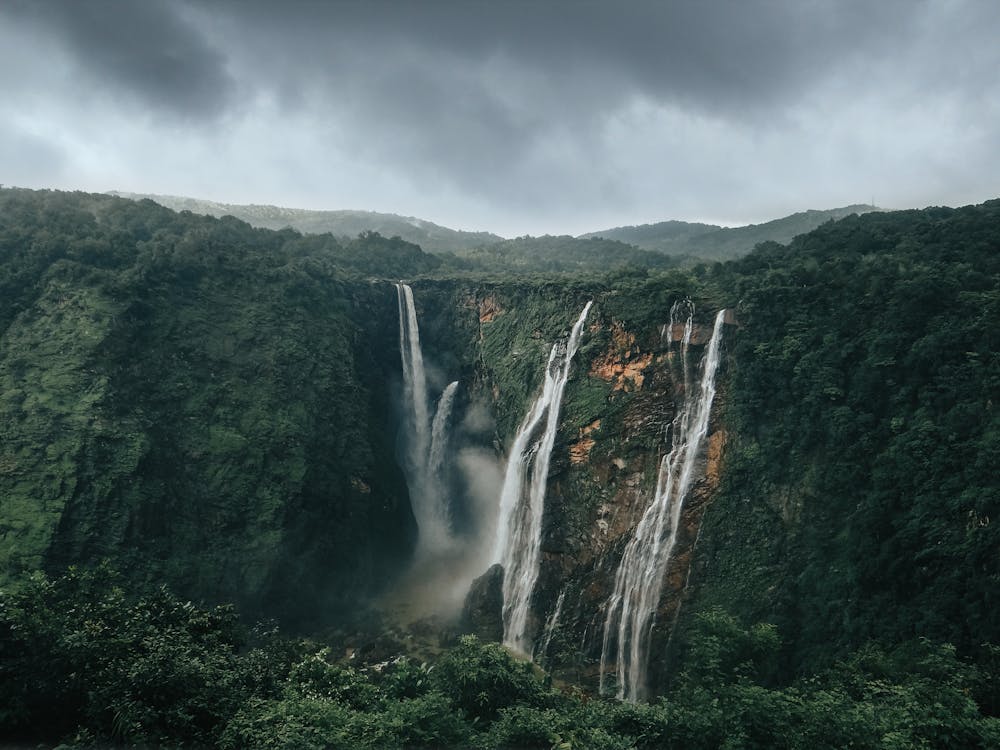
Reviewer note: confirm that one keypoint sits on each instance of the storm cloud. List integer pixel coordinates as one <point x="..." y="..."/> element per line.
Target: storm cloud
<point x="509" y="116"/>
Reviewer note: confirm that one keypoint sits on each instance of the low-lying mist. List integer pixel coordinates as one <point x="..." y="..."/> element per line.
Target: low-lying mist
<point x="442" y="570"/>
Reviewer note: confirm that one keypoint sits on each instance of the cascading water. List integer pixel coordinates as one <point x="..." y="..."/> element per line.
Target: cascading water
<point x="414" y="380"/>
<point x="438" y="530"/>
<point x="632" y="606"/>
<point x="425" y="445"/>
<point x="550" y="627"/>
<point x="522" y="500"/>
<point x="439" y="435"/>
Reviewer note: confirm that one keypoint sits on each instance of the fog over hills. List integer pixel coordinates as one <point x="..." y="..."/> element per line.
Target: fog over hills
<point x="348" y="223"/>
<point x="675" y="238"/>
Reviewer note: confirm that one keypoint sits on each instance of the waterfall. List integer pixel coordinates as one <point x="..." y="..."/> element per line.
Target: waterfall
<point x="632" y="606"/>
<point x="438" y="528"/>
<point x="439" y="435"/>
<point x="425" y="445"/>
<point x="550" y="627"/>
<point x="414" y="381"/>
<point x="522" y="499"/>
<point x="685" y="308"/>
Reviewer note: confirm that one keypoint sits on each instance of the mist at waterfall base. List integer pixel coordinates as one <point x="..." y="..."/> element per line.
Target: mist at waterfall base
<point x="454" y="477"/>
<point x="473" y="510"/>
<point x="440" y="575"/>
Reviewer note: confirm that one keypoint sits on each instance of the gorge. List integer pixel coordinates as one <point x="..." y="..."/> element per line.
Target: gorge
<point x="786" y="458"/>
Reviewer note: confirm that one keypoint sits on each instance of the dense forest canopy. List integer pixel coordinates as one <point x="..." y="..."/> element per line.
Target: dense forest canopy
<point x="864" y="391"/>
<point x="195" y="414"/>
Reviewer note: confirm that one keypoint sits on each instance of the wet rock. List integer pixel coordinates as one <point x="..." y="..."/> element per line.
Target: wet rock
<point x="482" y="613"/>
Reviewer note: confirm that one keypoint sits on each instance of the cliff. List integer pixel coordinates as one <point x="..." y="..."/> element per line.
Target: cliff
<point x="198" y="402"/>
<point x="216" y="407"/>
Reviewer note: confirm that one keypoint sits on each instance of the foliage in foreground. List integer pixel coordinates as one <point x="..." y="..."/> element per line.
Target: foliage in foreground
<point x="83" y="662"/>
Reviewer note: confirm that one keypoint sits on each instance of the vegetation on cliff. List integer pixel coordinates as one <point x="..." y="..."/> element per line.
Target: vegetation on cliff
<point x="199" y="401"/>
<point x="860" y="496"/>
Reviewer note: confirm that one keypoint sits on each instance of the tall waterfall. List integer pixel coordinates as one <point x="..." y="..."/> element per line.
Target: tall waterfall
<point x="522" y="500"/>
<point x="414" y="381"/>
<point x="425" y="445"/>
<point x="632" y="607"/>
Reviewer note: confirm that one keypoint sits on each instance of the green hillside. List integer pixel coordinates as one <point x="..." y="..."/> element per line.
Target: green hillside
<point x="711" y="242"/>
<point x="557" y="254"/>
<point x="197" y="401"/>
<point x="858" y="498"/>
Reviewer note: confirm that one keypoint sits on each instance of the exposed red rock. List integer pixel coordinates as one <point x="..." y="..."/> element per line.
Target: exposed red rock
<point x="622" y="364"/>
<point x="489" y="308"/>
<point x="579" y="451"/>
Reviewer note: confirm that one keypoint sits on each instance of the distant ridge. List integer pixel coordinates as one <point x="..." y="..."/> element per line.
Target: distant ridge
<point x="711" y="242"/>
<point x="430" y="236"/>
<point x="683" y="241"/>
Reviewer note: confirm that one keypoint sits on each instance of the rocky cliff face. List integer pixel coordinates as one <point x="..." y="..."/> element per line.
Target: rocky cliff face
<point x="584" y="542"/>
<point x="212" y="407"/>
<point x="240" y="445"/>
<point x="624" y="393"/>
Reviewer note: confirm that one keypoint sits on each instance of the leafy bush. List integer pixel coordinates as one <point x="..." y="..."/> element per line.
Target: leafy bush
<point x="482" y="678"/>
<point x="290" y="724"/>
<point x="153" y="669"/>
<point x="430" y="720"/>
<point x="316" y="678"/>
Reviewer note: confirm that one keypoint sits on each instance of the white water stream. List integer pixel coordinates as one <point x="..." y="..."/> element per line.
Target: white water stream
<point x="631" y="609"/>
<point x="522" y="499"/>
<point x="426" y="443"/>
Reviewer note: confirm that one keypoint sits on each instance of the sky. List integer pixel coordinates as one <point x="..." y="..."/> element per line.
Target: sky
<point x="513" y="117"/>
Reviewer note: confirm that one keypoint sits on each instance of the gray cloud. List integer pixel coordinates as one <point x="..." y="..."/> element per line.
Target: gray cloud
<point x="526" y="116"/>
<point x="146" y="50"/>
<point x="25" y="156"/>
<point x="722" y="56"/>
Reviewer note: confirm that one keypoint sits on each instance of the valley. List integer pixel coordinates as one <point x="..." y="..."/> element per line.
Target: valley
<point x="765" y="481"/>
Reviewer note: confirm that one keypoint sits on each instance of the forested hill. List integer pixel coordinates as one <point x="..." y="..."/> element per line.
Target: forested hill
<point x="462" y="251"/>
<point x="560" y="254"/>
<point x="710" y="242"/>
<point x="430" y="236"/>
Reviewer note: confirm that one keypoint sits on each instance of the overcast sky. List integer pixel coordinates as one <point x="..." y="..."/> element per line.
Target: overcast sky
<point x="514" y="117"/>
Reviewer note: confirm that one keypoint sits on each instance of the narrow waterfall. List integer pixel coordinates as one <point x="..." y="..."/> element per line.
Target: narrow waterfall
<point x="425" y="445"/>
<point x="439" y="434"/>
<point x="685" y="306"/>
<point x="550" y="627"/>
<point x="631" y="609"/>
<point x="439" y="527"/>
<point x="522" y="499"/>
<point x="414" y="381"/>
